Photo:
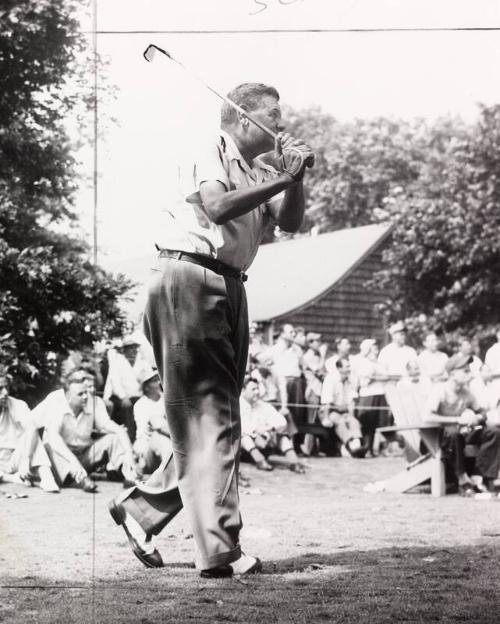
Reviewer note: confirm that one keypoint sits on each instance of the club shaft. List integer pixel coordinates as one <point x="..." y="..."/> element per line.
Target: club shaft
<point x="233" y="105"/>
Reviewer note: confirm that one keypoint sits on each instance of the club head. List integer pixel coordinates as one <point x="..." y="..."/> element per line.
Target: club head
<point x="149" y="53"/>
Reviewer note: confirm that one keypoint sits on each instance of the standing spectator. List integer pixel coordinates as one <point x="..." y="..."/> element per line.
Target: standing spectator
<point x="122" y="387"/>
<point x="395" y="356"/>
<point x="337" y="408"/>
<point x="256" y="345"/>
<point x="492" y="365"/>
<point x="71" y="417"/>
<point x="22" y="455"/>
<point x="432" y="362"/>
<point x="372" y="405"/>
<point x="342" y="351"/>
<point x="152" y="444"/>
<point x="314" y="372"/>
<point x="287" y="358"/>
<point x="264" y="428"/>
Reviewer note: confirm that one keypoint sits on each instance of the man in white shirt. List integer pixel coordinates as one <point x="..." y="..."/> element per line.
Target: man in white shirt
<point x="395" y="356"/>
<point x="432" y="361"/>
<point x="70" y="418"/>
<point x="122" y="387"/>
<point x="492" y="372"/>
<point x="264" y="428"/>
<point x="196" y="319"/>
<point x="22" y="455"/>
<point x="337" y="408"/>
<point x="152" y="444"/>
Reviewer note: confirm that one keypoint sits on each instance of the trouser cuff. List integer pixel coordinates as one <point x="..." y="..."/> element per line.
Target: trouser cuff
<point x="220" y="559"/>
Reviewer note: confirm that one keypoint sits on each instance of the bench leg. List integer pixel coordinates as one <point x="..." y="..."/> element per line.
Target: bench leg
<point x="438" y="483"/>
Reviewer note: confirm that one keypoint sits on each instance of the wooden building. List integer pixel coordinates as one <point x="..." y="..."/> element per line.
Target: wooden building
<point x="320" y="283"/>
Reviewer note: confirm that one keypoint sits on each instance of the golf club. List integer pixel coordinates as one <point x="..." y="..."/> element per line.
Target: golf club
<point x="149" y="54"/>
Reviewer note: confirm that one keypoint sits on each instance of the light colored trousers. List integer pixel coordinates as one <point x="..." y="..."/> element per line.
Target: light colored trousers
<point x="346" y="426"/>
<point x="107" y="449"/>
<point x="157" y="447"/>
<point x="197" y="324"/>
<point x="10" y="458"/>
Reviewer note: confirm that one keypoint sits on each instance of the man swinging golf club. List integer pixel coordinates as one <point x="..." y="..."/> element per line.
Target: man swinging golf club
<point x="196" y="321"/>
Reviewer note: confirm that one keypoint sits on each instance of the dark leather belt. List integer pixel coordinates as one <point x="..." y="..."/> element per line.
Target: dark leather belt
<point x="209" y="263"/>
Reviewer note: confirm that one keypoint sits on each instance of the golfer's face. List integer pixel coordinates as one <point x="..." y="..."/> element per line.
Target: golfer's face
<point x="269" y="113"/>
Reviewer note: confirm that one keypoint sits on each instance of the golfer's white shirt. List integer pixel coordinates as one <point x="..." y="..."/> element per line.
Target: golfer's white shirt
<point x="186" y="226"/>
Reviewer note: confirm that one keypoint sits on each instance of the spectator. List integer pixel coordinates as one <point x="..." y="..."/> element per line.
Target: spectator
<point x="268" y="384"/>
<point x="395" y="356"/>
<point x="287" y="363"/>
<point x="314" y="372"/>
<point x="453" y="405"/>
<point x="432" y="362"/>
<point x="415" y="380"/>
<point x="492" y="366"/>
<point x="342" y="351"/>
<point x="71" y="417"/>
<point x="372" y="405"/>
<point x="152" y="444"/>
<point x="256" y="346"/>
<point x="337" y="408"/>
<point x="22" y="455"/>
<point x="263" y="428"/>
<point x="477" y="383"/>
<point x="122" y="387"/>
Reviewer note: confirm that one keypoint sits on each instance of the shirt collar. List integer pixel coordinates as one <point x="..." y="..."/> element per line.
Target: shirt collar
<point x="233" y="153"/>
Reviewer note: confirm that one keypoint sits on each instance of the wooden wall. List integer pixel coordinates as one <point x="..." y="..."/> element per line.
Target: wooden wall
<point x="347" y="309"/>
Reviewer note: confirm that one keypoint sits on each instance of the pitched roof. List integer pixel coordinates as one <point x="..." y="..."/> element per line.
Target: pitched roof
<point x="284" y="277"/>
<point x="288" y="276"/>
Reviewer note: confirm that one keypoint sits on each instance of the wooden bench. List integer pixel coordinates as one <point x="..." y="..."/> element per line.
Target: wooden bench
<point x="407" y="404"/>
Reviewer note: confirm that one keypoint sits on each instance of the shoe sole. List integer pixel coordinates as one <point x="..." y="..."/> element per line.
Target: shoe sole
<point x="118" y="514"/>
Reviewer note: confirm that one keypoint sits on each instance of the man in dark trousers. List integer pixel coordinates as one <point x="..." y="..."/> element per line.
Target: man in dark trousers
<point x="196" y="321"/>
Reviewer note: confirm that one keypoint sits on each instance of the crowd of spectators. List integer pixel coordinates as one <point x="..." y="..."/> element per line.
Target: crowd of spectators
<point x="300" y="398"/>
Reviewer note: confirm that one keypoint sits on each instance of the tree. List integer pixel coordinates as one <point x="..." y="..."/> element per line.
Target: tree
<point x="357" y="165"/>
<point x="443" y="267"/>
<point x="53" y="298"/>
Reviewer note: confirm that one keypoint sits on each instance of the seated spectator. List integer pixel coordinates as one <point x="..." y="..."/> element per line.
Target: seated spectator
<point x="152" y="444"/>
<point x="71" y="418"/>
<point x="122" y="388"/>
<point x="477" y="369"/>
<point x="337" y="408"/>
<point x="22" y="455"/>
<point x="268" y="384"/>
<point x="454" y="405"/>
<point x="263" y="428"/>
<point x="431" y="361"/>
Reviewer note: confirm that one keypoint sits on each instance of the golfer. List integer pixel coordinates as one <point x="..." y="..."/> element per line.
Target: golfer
<point x="196" y="321"/>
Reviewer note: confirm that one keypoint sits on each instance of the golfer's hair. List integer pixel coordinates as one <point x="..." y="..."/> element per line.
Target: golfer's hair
<point x="246" y="95"/>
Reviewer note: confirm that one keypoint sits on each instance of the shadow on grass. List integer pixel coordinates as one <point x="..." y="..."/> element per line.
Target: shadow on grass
<point x="459" y="584"/>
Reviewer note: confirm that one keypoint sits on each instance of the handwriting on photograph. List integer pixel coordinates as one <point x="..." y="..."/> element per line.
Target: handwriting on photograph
<point x="262" y="5"/>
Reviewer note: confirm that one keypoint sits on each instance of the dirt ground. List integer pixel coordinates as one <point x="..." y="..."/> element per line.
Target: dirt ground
<point x="331" y="552"/>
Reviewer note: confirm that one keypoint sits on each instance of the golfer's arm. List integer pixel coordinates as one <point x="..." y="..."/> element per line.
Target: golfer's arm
<point x="290" y="213"/>
<point x="222" y="206"/>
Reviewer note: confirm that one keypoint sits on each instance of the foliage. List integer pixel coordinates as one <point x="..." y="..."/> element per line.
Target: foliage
<point x="53" y="299"/>
<point x="443" y="267"/>
<point x="439" y="184"/>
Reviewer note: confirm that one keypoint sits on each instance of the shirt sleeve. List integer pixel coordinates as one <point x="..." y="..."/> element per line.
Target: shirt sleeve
<point x="22" y="414"/>
<point x="101" y="418"/>
<point x="433" y="403"/>
<point x="141" y="420"/>
<point x="209" y="166"/>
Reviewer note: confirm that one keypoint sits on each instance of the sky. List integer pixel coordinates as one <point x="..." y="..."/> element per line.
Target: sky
<point x="159" y="108"/>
